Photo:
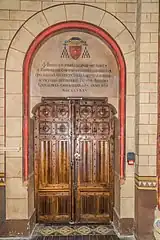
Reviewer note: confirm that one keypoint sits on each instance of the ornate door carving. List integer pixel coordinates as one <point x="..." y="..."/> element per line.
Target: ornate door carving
<point x="74" y="149"/>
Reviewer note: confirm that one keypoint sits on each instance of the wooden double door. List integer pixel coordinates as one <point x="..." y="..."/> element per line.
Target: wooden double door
<point x="74" y="154"/>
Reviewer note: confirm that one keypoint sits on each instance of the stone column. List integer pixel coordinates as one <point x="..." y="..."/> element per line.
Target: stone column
<point x="146" y="117"/>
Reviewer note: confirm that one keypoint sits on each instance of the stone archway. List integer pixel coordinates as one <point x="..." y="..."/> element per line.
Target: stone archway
<point x="35" y="28"/>
<point x="120" y="60"/>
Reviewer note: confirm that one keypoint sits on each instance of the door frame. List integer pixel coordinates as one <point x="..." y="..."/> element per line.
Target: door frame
<point x="93" y="30"/>
<point x="72" y="171"/>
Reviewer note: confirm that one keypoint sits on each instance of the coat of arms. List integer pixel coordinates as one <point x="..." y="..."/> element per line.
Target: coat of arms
<point x="74" y="48"/>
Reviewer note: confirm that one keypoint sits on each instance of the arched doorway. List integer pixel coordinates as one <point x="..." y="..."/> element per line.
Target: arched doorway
<point x="74" y="158"/>
<point x="76" y="71"/>
<point x="31" y="40"/>
<point x="121" y="70"/>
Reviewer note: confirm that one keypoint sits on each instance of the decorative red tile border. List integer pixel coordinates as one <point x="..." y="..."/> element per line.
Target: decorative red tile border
<point x="26" y="78"/>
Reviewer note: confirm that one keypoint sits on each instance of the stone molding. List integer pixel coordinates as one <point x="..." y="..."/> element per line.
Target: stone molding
<point x="2" y="179"/>
<point x="146" y="182"/>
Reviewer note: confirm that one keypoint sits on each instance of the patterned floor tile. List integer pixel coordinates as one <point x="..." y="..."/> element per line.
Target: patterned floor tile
<point x="73" y="230"/>
<point x="89" y="237"/>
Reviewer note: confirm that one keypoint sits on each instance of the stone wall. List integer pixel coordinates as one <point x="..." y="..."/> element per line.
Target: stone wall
<point x="146" y="115"/>
<point x="141" y="94"/>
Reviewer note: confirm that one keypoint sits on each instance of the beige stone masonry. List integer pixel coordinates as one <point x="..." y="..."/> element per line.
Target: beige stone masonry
<point x="113" y="29"/>
<point x="2" y="84"/>
<point x="20" y="15"/>
<point x="2" y="112"/>
<point x="149" y="27"/>
<point x="130" y="61"/>
<point x="144" y="78"/>
<point x="150" y="7"/>
<point x="144" y="98"/>
<point x="153" y="77"/>
<point x="90" y="13"/>
<point x="14" y="127"/>
<point x="131" y="7"/>
<point x="13" y="82"/>
<point x="22" y="40"/>
<point x="2" y="62"/>
<point x="147" y="150"/>
<point x="31" y="5"/>
<point x="9" y="4"/>
<point x="147" y="170"/>
<point x="4" y="44"/>
<point x="145" y="37"/>
<point x="17" y="208"/>
<point x="11" y="63"/>
<point x="4" y="35"/>
<point x="2" y="125"/>
<point x="3" y="54"/>
<point x="154" y="57"/>
<point x="49" y="4"/>
<point x="1" y="131"/>
<point x="97" y="4"/>
<point x="2" y="91"/>
<point x="127" y="190"/>
<point x="116" y="7"/>
<point x="152" y="47"/>
<point x="126" y="17"/>
<point x="145" y="57"/>
<point x="74" y="12"/>
<point x="153" y="97"/>
<point x="130" y="131"/>
<point x="14" y="142"/>
<point x="153" y="139"/>
<point x="14" y="110"/>
<point x="153" y="118"/>
<point x="145" y="17"/>
<point x="132" y="28"/>
<point x="152" y="160"/>
<point x="19" y="191"/>
<point x="148" y="108"/>
<point x="143" y="139"/>
<point x="154" y="37"/>
<point x="126" y="42"/>
<point x="130" y="145"/>
<point x="147" y="129"/>
<point x="4" y="14"/>
<point x="131" y="85"/>
<point x="154" y="17"/>
<point x="148" y="87"/>
<point x="12" y="33"/>
<point x="9" y="25"/>
<point x="55" y="15"/>
<point x="127" y="207"/>
<point x="143" y="160"/>
<point x="130" y="111"/>
<point x="1" y="102"/>
<point x="37" y="24"/>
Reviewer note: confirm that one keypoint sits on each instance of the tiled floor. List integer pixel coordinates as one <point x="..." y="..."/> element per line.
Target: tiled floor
<point x="89" y="237"/>
<point x="74" y="232"/>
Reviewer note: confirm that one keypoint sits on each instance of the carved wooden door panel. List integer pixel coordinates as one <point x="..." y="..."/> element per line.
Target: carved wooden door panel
<point x="53" y="158"/>
<point x="94" y="128"/>
<point x="73" y="160"/>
